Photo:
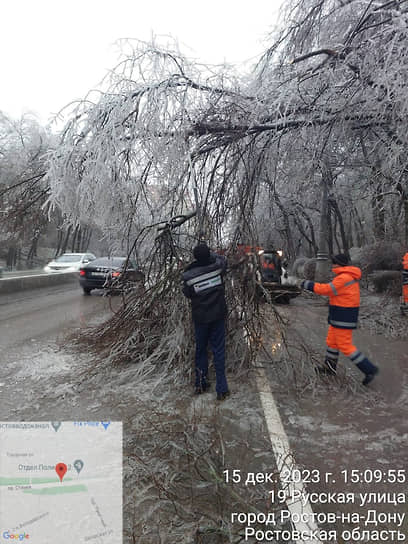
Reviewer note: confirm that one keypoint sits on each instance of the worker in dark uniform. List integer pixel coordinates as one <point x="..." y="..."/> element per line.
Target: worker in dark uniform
<point x="203" y="284"/>
<point x="344" y="304"/>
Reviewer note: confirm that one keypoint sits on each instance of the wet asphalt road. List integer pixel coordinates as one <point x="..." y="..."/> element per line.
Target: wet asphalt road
<point x="34" y="325"/>
<point x="44" y="314"/>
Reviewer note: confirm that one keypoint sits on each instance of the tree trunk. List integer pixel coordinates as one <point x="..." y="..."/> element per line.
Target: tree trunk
<point x="322" y="264"/>
<point x="312" y="247"/>
<point x="402" y="187"/>
<point x="361" y="234"/>
<point x="74" y="239"/>
<point x="19" y="258"/>
<point x="349" y="234"/>
<point x="377" y="198"/>
<point x="394" y="232"/>
<point x="377" y="203"/>
<point x="330" y="228"/>
<point x="11" y="258"/>
<point x="59" y="242"/>
<point x="86" y="238"/>
<point x="66" y="240"/>
<point x="344" y="239"/>
<point x="32" y="253"/>
<point x="79" y="240"/>
<point x="288" y="233"/>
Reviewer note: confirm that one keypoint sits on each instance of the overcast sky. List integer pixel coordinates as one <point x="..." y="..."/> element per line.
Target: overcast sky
<point x="53" y="51"/>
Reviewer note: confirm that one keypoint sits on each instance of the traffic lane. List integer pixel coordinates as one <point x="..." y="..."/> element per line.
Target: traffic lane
<point x="46" y="313"/>
<point x="335" y="424"/>
<point x="37" y="373"/>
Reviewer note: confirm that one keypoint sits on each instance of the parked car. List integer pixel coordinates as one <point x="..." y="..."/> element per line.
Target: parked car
<point x="108" y="273"/>
<point x="69" y="262"/>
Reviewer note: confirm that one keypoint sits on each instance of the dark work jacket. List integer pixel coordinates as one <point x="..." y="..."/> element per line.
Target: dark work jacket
<point x="204" y="286"/>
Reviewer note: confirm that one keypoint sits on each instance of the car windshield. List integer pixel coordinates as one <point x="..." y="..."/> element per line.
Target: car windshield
<point x="68" y="259"/>
<point x="113" y="262"/>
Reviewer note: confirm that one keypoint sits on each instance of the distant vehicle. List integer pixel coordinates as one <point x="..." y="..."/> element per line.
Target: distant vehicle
<point x="109" y="273"/>
<point x="268" y="268"/>
<point x="69" y="262"/>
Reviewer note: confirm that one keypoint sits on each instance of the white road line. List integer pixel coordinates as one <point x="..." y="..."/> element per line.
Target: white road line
<point x="284" y="457"/>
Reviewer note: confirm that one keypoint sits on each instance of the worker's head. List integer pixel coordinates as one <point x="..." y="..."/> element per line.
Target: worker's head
<point x="201" y="253"/>
<point x="340" y="260"/>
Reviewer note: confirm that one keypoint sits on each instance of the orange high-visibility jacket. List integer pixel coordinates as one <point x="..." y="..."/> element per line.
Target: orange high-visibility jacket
<point x="405" y="261"/>
<point x="344" y="296"/>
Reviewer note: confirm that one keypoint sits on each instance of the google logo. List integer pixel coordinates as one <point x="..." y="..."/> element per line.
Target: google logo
<point x="10" y="536"/>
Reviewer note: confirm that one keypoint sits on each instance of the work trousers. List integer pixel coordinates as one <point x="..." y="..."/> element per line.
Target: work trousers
<point x="405" y="286"/>
<point x="214" y="334"/>
<point x="342" y="340"/>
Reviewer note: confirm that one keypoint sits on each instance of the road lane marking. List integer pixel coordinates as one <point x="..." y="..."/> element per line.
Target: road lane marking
<point x="284" y="456"/>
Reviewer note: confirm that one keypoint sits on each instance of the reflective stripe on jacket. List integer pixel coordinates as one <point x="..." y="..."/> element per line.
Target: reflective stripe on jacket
<point x="405" y="271"/>
<point x="344" y="296"/>
<point x="204" y="286"/>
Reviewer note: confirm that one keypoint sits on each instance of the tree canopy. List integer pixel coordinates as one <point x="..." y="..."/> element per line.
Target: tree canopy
<point x="170" y="135"/>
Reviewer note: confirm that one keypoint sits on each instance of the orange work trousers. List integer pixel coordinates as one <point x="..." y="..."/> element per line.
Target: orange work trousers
<point x="405" y="293"/>
<point x="341" y="339"/>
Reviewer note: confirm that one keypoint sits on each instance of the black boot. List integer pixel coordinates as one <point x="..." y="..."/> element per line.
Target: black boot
<point x="329" y="367"/>
<point x="368" y="369"/>
<point x="223" y="396"/>
<point x="198" y="390"/>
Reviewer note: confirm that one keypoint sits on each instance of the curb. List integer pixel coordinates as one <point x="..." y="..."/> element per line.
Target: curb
<point x="11" y="285"/>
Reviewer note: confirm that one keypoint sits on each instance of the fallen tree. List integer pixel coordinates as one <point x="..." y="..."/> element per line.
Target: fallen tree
<point x="168" y="136"/>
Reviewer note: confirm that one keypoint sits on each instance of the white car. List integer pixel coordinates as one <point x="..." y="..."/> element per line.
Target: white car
<point x="69" y="262"/>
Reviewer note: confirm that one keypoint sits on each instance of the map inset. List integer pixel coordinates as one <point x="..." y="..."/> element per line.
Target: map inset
<point x="61" y="481"/>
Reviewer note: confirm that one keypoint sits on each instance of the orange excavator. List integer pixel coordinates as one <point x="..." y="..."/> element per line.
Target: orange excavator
<point x="267" y="265"/>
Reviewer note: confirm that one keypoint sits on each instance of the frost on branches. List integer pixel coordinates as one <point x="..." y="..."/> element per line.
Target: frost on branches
<point x="147" y="150"/>
<point x="310" y="149"/>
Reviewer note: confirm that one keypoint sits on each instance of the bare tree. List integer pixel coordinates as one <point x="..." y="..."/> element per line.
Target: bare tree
<point x="23" y="190"/>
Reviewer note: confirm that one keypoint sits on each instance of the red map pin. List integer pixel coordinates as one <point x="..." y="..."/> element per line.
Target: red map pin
<point x="61" y="469"/>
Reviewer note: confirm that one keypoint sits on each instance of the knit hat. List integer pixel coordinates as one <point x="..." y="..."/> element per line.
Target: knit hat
<point x="340" y="259"/>
<point x="202" y="253"/>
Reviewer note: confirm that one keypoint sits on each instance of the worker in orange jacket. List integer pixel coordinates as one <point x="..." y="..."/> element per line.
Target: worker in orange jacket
<point x="344" y="304"/>
<point x="405" y="281"/>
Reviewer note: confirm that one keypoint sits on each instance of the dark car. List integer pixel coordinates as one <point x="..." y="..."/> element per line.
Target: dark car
<point x="108" y="273"/>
